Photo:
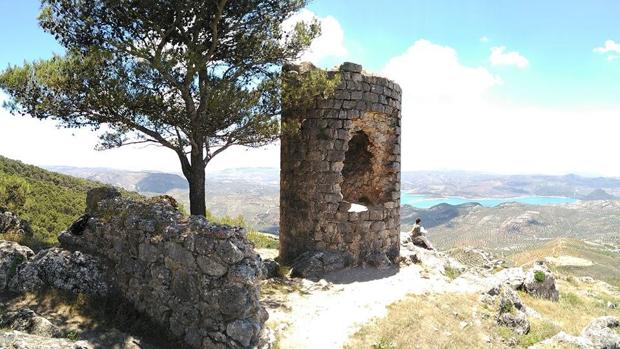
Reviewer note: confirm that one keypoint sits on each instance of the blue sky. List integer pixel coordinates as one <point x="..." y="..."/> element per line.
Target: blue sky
<point x="556" y="36"/>
<point x="496" y="86"/>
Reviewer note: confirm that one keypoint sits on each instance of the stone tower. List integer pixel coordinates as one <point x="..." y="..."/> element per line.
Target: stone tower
<point x="340" y="171"/>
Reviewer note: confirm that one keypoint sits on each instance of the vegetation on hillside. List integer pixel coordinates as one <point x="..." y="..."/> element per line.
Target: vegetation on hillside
<point x="196" y="78"/>
<point x="49" y="201"/>
<point x="576" y="258"/>
<point x="260" y="240"/>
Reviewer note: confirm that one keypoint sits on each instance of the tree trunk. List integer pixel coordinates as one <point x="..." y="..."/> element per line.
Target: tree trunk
<point x="197" y="204"/>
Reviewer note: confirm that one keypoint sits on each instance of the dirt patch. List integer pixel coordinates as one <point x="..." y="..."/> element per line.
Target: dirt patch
<point x="569" y="261"/>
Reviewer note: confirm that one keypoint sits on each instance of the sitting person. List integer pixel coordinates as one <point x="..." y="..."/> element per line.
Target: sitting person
<point x="418" y="236"/>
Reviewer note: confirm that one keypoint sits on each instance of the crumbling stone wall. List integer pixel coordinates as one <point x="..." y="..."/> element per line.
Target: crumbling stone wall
<point x="344" y="150"/>
<point x="198" y="280"/>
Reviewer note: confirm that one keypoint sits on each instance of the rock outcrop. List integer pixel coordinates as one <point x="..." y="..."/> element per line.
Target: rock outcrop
<point x="537" y="281"/>
<point x="512" y="312"/>
<point x="12" y="255"/>
<point x="11" y="223"/>
<point x="75" y="272"/>
<point x="26" y="320"/>
<point x="313" y="265"/>
<point x="540" y="282"/>
<point x="600" y="333"/>
<point x="21" y="340"/>
<point x="198" y="280"/>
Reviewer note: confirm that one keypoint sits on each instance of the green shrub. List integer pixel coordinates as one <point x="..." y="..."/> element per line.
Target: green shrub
<point x="384" y="343"/>
<point x="260" y="240"/>
<point x="73" y="335"/>
<point x="451" y="273"/>
<point x="539" y="331"/>
<point x="49" y="201"/>
<point x="571" y="299"/>
<point x="539" y="276"/>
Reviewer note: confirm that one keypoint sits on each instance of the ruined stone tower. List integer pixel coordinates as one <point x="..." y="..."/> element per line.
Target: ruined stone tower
<point x="340" y="171"/>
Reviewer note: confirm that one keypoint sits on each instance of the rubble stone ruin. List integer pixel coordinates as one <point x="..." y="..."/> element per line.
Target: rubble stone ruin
<point x="340" y="171"/>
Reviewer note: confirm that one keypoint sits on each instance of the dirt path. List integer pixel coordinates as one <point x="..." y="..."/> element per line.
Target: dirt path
<point x="326" y="314"/>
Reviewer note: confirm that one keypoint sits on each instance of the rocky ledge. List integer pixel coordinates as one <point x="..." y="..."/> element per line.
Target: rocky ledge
<point x="197" y="281"/>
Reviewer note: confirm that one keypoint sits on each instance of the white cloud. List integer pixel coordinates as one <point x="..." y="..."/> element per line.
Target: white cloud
<point x="499" y="56"/>
<point x="329" y="44"/>
<point x="611" y="48"/>
<point x="451" y="121"/>
<point x="42" y="143"/>
<point x="445" y="79"/>
<point x="484" y="38"/>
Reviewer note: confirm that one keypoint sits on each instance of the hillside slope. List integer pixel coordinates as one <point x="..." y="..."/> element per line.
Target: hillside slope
<point x="49" y="201"/>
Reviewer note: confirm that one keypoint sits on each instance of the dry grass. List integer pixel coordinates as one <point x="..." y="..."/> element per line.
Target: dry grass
<point x="83" y="317"/>
<point x="597" y="260"/>
<point x="579" y="303"/>
<point x="433" y="321"/>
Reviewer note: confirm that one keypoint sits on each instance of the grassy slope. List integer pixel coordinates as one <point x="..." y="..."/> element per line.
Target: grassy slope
<point x="448" y="320"/>
<point x="604" y="260"/>
<point x="49" y="201"/>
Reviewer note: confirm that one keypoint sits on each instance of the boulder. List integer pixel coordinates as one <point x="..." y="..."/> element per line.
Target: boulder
<point x="518" y="322"/>
<point x="271" y="268"/>
<point x="378" y="260"/>
<point x="513" y="277"/>
<point x="512" y="312"/>
<point x="540" y="282"/>
<point x="602" y="332"/>
<point x="314" y="264"/>
<point x="26" y="320"/>
<point x="11" y="223"/>
<point x="12" y="255"/>
<point x="562" y="340"/>
<point x="96" y="195"/>
<point x="75" y="272"/>
<point x="21" y="340"/>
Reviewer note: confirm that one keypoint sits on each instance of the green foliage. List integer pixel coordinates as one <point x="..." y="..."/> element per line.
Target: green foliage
<point x="571" y="299"/>
<point x="49" y="201"/>
<point x="73" y="335"/>
<point x="507" y="307"/>
<point x="194" y="76"/>
<point x="260" y="240"/>
<point x="384" y="343"/>
<point x="539" y="276"/>
<point x="19" y="259"/>
<point x="301" y="89"/>
<point x="451" y="273"/>
<point x="539" y="331"/>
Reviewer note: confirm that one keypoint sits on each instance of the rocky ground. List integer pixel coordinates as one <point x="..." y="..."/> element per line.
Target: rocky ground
<point x="52" y="299"/>
<point x="337" y="306"/>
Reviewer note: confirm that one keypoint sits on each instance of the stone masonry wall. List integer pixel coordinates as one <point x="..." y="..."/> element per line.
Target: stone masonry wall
<point x="198" y="280"/>
<point x="343" y="151"/>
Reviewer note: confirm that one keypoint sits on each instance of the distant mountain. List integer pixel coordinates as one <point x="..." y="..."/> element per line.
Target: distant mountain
<point x="471" y="184"/>
<point x="250" y="192"/>
<point x="599" y="194"/>
<point x="513" y="226"/>
<point x="160" y="183"/>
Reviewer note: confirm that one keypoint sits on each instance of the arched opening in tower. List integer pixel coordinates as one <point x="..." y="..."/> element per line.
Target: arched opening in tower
<point x="357" y="171"/>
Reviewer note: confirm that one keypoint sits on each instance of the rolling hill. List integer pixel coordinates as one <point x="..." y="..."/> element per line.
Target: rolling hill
<point x="49" y="201"/>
